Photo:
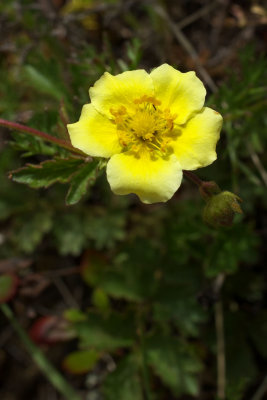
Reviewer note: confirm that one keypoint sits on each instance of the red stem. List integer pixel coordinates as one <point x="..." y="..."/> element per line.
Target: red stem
<point x="45" y="136"/>
<point x="194" y="178"/>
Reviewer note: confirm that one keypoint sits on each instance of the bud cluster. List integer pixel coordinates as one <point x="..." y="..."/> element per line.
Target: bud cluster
<point x="220" y="207"/>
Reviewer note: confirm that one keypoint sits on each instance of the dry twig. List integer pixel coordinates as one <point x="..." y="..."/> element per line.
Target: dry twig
<point x="181" y="38"/>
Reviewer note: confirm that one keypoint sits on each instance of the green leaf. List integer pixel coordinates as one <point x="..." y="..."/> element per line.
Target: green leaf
<point x="80" y="181"/>
<point x="100" y="300"/>
<point x="124" y="382"/>
<point x="133" y="277"/>
<point x="93" y="266"/>
<point x="47" y="173"/>
<point x="42" y="83"/>
<point x="30" y="229"/>
<point x="8" y="286"/>
<point x="105" y="228"/>
<point x="69" y="241"/>
<point x="175" y="363"/>
<point x="105" y="333"/>
<point x="229" y="248"/>
<point x="74" y="315"/>
<point x="80" y="362"/>
<point x="173" y="303"/>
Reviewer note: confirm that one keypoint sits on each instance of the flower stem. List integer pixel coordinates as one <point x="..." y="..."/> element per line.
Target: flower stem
<point x="194" y="178"/>
<point x="45" y="136"/>
<point x="55" y="378"/>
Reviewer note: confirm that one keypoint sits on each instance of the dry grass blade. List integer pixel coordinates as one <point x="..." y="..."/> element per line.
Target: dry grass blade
<point x="181" y="38"/>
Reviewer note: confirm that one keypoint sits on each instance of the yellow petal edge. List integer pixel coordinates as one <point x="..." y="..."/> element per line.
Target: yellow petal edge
<point x="183" y="93"/>
<point x="114" y="91"/>
<point x="195" y="146"/>
<point x="152" y="180"/>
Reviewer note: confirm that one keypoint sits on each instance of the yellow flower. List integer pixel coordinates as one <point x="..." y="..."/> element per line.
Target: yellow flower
<point x="151" y="126"/>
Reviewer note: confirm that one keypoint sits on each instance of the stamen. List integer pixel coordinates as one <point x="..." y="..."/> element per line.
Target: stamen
<point x="147" y="126"/>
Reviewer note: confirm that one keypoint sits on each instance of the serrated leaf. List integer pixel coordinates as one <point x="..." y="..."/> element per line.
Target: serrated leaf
<point x="105" y="333"/>
<point x="175" y="363"/>
<point x="80" y="181"/>
<point x="47" y="173"/>
<point x="80" y="362"/>
<point x="116" y="285"/>
<point x="70" y="241"/>
<point x="173" y="303"/>
<point x="124" y="382"/>
<point x="8" y="286"/>
<point x="105" y="228"/>
<point x="134" y="277"/>
<point x="30" y="229"/>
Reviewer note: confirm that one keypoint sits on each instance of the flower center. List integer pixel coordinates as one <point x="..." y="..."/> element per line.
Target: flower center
<point x="146" y="127"/>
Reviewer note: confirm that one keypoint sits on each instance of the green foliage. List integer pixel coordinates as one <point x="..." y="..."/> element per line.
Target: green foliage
<point x="243" y="98"/>
<point x="124" y="383"/>
<point x="132" y="276"/>
<point x="35" y="78"/>
<point x="80" y="181"/>
<point x="75" y="230"/>
<point x="80" y="362"/>
<point x="105" y="333"/>
<point x="62" y="170"/>
<point x="29" y="229"/>
<point x="230" y="248"/>
<point x="32" y="145"/>
<point x="175" y="363"/>
<point x="100" y="300"/>
<point x="47" y="173"/>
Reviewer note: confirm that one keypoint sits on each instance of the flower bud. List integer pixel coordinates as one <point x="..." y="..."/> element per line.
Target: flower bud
<point x="221" y="208"/>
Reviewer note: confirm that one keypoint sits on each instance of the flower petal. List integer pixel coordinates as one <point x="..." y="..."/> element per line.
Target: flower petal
<point x="94" y="134"/>
<point x="196" y="142"/>
<point x="153" y="180"/>
<point x="120" y="90"/>
<point x="182" y="93"/>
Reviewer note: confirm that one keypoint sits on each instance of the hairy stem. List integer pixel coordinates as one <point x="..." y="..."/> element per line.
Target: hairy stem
<point x="45" y="136"/>
<point x="55" y="378"/>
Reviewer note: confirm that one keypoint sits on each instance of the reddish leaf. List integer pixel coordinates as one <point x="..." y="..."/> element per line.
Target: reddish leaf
<point x="51" y="330"/>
